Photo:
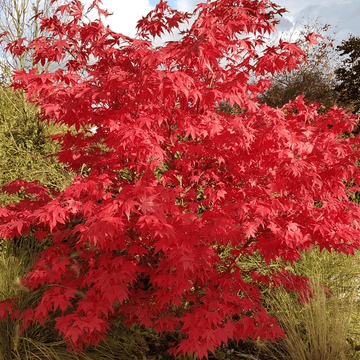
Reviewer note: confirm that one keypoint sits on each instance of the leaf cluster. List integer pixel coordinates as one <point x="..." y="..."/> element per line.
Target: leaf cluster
<point x="20" y="24"/>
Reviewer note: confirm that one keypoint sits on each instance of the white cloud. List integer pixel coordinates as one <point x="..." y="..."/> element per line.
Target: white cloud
<point x="126" y="14"/>
<point x="183" y="5"/>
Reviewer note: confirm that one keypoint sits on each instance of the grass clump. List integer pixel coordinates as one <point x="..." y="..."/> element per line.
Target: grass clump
<point x="327" y="327"/>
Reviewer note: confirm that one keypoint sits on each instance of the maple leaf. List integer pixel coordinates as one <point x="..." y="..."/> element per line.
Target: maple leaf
<point x="312" y="38"/>
<point x="6" y="307"/>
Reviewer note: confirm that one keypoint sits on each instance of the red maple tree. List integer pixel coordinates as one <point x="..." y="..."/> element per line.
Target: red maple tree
<point x="169" y="177"/>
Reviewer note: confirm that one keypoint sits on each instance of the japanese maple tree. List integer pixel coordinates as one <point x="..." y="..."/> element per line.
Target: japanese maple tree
<point x="170" y="181"/>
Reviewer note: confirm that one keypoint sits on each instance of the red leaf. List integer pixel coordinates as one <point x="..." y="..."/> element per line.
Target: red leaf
<point x="312" y="38"/>
<point x="6" y="307"/>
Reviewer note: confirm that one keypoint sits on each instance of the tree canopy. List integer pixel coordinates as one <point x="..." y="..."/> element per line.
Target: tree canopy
<point x="348" y="75"/>
<point x="173" y="181"/>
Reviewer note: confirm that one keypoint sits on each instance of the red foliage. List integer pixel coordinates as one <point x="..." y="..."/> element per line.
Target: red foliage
<point x="166" y="183"/>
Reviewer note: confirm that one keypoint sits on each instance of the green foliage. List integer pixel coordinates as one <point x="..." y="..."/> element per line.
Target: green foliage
<point x="348" y="75"/>
<point x="24" y="146"/>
